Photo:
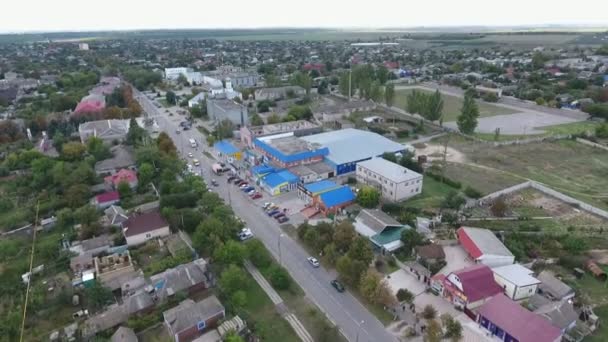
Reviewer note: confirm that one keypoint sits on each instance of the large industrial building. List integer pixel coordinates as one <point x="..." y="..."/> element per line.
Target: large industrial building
<point x="287" y="150"/>
<point x="349" y="146"/>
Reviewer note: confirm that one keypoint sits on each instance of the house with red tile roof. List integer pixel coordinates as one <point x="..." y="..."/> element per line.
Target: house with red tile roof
<point x="470" y="287"/>
<point x="509" y="321"/>
<point x="106" y="200"/>
<point x="124" y="175"/>
<point x="93" y="103"/>
<point x="140" y="228"/>
<point x="484" y="247"/>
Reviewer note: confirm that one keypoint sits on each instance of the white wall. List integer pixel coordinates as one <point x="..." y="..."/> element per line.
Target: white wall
<point x="141" y="238"/>
<point x="390" y="190"/>
<point x="515" y="292"/>
<point x="496" y="260"/>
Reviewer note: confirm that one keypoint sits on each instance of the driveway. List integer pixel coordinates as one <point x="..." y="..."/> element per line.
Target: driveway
<point x="457" y="259"/>
<point x="401" y="279"/>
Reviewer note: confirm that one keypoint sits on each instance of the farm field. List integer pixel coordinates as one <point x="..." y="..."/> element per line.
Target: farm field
<point x="452" y="105"/>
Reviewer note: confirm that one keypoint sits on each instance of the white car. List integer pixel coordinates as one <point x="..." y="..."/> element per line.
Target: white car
<point x="196" y="162"/>
<point x="190" y="155"/>
<point x="313" y="261"/>
<point x="245" y="234"/>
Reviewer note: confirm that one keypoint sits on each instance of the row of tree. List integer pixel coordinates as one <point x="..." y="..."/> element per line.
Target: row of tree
<point x="429" y="106"/>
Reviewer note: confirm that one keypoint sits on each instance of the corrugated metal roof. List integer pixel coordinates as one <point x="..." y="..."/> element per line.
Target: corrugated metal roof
<point x="390" y="170"/>
<point x="483" y="240"/>
<point x="351" y="145"/>
<point x="320" y="186"/>
<point x="337" y="196"/>
<point x="225" y="147"/>
<point x="516" y="274"/>
<point x="284" y="158"/>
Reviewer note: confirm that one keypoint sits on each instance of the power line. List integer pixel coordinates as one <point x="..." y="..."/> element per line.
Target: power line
<point x="27" y="290"/>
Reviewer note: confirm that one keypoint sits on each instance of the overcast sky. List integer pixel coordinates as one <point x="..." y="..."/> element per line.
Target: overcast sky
<point x="79" y="15"/>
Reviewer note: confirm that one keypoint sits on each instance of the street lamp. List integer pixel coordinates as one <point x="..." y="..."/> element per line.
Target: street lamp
<point x="279" y="243"/>
<point x="359" y="330"/>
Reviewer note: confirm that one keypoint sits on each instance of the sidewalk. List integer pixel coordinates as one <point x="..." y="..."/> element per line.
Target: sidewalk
<point x="278" y="302"/>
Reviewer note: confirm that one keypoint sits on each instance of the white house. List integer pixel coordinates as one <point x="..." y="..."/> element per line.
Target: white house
<point x="395" y="182"/>
<point x="516" y="281"/>
<point x="140" y="228"/>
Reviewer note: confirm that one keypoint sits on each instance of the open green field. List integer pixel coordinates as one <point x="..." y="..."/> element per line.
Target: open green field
<point x="452" y="105"/>
<point x="433" y="192"/>
<point x="575" y="169"/>
<point x="482" y="180"/>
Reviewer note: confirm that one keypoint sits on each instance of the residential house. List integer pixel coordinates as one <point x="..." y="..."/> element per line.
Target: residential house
<point x="484" y="247"/>
<point x="470" y="287"/>
<point x="116" y="215"/>
<point x="560" y="313"/>
<point x="93" y="103"/>
<point x="380" y="228"/>
<point x="124" y="175"/>
<point x="122" y="157"/>
<point x="553" y="288"/>
<point x="124" y="334"/>
<point x="516" y="281"/>
<point x="395" y="182"/>
<point x="190" y="319"/>
<point x="106" y="130"/>
<point x="190" y="278"/>
<point x="140" y="228"/>
<point x="106" y="200"/>
<point x="430" y="254"/>
<point x="508" y="321"/>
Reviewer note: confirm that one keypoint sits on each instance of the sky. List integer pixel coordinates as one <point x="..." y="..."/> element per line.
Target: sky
<point x="79" y="15"/>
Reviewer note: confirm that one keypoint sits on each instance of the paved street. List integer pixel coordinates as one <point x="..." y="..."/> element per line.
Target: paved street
<point x="351" y="317"/>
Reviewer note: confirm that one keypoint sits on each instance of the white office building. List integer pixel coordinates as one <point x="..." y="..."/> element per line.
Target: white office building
<point x="173" y="73"/>
<point x="395" y="182"/>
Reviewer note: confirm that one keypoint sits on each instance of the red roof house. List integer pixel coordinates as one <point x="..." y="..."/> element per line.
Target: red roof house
<point x="484" y="247"/>
<point x="471" y="287"/>
<point x="313" y="66"/>
<point x="91" y="104"/>
<point x="391" y="65"/>
<point x="509" y="321"/>
<point x="106" y="200"/>
<point x="124" y="175"/>
<point x="140" y="228"/>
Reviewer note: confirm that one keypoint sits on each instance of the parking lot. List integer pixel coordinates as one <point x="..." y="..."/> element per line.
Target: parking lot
<point x="456" y="258"/>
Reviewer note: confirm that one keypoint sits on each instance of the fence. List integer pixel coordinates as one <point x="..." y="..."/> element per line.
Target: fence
<point x="592" y="144"/>
<point x="547" y="191"/>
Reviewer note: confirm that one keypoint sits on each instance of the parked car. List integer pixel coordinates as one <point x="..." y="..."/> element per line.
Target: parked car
<point x="256" y="195"/>
<point x="196" y="162"/>
<point x="245" y="234"/>
<point x="272" y="208"/>
<point x="313" y="261"/>
<point x="279" y="215"/>
<point x="247" y="189"/>
<point x="267" y="205"/>
<point x="337" y="285"/>
<point x="177" y="131"/>
<point x="214" y="182"/>
<point x="273" y="212"/>
<point x="283" y="219"/>
<point x="190" y="155"/>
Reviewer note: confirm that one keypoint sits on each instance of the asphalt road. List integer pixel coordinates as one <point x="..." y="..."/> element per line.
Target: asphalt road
<point x="351" y="317"/>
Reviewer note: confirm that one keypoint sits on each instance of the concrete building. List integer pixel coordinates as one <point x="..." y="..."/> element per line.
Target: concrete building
<point x="173" y="73"/>
<point x="484" y="247"/>
<point x="517" y="281"/>
<point x="243" y="79"/>
<point x="106" y="130"/>
<point x="278" y="93"/>
<point x="190" y="319"/>
<point x="298" y="128"/>
<point x="287" y="150"/>
<point x="224" y="109"/>
<point x="347" y="147"/>
<point x="83" y="46"/>
<point x="395" y="182"/>
<point x="140" y="228"/>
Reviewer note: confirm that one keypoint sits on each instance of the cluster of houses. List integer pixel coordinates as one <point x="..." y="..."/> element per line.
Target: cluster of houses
<point x="506" y="299"/>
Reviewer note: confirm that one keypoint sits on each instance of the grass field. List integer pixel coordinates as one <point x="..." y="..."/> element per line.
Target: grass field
<point x="566" y="166"/>
<point x="601" y="334"/>
<point x="452" y="105"/>
<point x="433" y="192"/>
<point x="484" y="181"/>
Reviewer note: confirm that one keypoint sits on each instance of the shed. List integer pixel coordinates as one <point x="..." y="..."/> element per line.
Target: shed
<point x="484" y="247"/>
<point x="552" y="287"/>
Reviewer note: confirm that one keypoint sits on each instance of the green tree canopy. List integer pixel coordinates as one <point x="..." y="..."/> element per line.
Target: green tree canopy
<point x="467" y="120"/>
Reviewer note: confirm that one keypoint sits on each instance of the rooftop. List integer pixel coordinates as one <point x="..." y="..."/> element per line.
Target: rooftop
<point x="122" y="156"/>
<point x="320" y="186"/>
<point x="189" y="313"/>
<point x="288" y="148"/>
<point x="283" y="127"/>
<point x="478" y="282"/>
<point x="275" y="179"/>
<point x="430" y="251"/>
<point x="390" y="170"/>
<point x="180" y="278"/>
<point x="225" y="147"/>
<point x="478" y="241"/>
<point x="375" y="220"/>
<point x="337" y="197"/>
<point x="518" y="322"/>
<point x="226" y="104"/>
<point x="552" y="286"/>
<point x="142" y="223"/>
<point x="516" y="274"/>
<point x="350" y="145"/>
<point x="107" y="197"/>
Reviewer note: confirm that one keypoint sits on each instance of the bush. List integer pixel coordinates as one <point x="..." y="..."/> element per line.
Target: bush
<point x="402" y="133"/>
<point x="279" y="278"/>
<point x="404" y="295"/>
<point x="472" y="193"/>
<point x="258" y="254"/>
<point x="443" y="179"/>
<point x="429" y="312"/>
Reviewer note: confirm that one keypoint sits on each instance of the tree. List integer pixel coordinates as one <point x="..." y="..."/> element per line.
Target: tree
<point x="135" y="134"/>
<point x="181" y="79"/>
<point x="416" y="102"/>
<point x="368" y="197"/>
<point x="411" y="238"/>
<point x="258" y="254"/>
<point x="124" y="190"/>
<point x="434" y="110"/>
<point x="77" y="195"/>
<point x="361" y="250"/>
<point x="389" y="94"/>
<point x="98" y="149"/>
<point x="404" y="295"/>
<point x="382" y="74"/>
<point x="279" y="278"/>
<point x="429" y="312"/>
<point x="58" y="141"/>
<point x="376" y="92"/>
<point x="73" y="151"/>
<point x="273" y="119"/>
<point x="453" y="328"/>
<point x="601" y="131"/>
<point x="238" y="300"/>
<point x="233" y="279"/>
<point x="232" y="336"/>
<point x="453" y="200"/>
<point x="231" y="252"/>
<point x="467" y="120"/>
<point x="256" y="120"/>
<point x="145" y="175"/>
<point x="490" y="97"/>
<point x="97" y="295"/>
<point x="300" y="112"/>
<point x="433" y="332"/>
<point x="499" y="207"/>
<point x="165" y="144"/>
<point x="302" y="80"/>
<point x="375" y="289"/>
<point x="171" y="97"/>
<point x="345" y="84"/>
<point x="225" y="129"/>
<point x="344" y="236"/>
<point x="350" y="270"/>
